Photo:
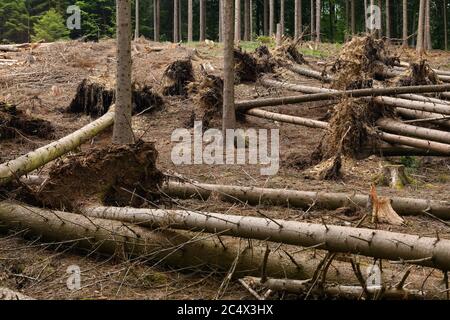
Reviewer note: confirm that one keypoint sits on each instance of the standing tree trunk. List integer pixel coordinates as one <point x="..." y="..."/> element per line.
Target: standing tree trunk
<point x="282" y="16"/>
<point x="229" y="115"/>
<point x="237" y="22"/>
<point x="271" y="17"/>
<point x="202" y="20"/>
<point x="420" y="47"/>
<point x="388" y="20"/>
<point x="246" y="20"/>
<point x="405" y="23"/>
<point x="175" y="21"/>
<point x="380" y="5"/>
<point x="156" y="19"/>
<point x="298" y="19"/>
<point x="136" y="17"/>
<point x="353" y="22"/>
<point x="123" y="132"/>
<point x="313" y="25"/>
<point x="445" y="26"/>
<point x="427" y="35"/>
<point x="266" y="17"/>
<point x="190" y="21"/>
<point x="318" y="19"/>
<point x="365" y="16"/>
<point x="250" y="20"/>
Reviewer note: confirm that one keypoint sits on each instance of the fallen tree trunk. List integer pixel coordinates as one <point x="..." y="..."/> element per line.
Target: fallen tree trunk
<point x="303" y="199"/>
<point x="9" y="48"/>
<point x="417" y="114"/>
<point x="394" y="126"/>
<point x="329" y="289"/>
<point x="39" y="157"/>
<point x="287" y="119"/>
<point x="423" y="251"/>
<point x="308" y="73"/>
<point x="415" y="143"/>
<point x="415" y="105"/>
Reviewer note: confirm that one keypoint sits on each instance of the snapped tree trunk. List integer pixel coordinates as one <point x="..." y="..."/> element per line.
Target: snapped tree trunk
<point x="123" y="130"/>
<point x="156" y="19"/>
<point x="191" y="21"/>
<point x="229" y="114"/>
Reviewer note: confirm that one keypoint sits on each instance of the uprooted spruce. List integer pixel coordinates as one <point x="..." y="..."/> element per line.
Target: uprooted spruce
<point x="419" y="73"/>
<point x="288" y="52"/>
<point x="177" y="77"/>
<point x="361" y="60"/>
<point x="115" y="175"/>
<point x="249" y="67"/>
<point x="349" y="137"/>
<point x="14" y="123"/>
<point x="207" y="94"/>
<point x="95" y="98"/>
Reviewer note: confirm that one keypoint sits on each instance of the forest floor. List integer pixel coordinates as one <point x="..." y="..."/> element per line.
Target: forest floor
<point x="43" y="83"/>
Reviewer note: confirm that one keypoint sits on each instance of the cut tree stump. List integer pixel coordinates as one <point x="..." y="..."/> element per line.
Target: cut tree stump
<point x="394" y="176"/>
<point x="382" y="210"/>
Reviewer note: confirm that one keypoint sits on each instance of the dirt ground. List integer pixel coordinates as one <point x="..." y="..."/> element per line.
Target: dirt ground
<point x="43" y="83"/>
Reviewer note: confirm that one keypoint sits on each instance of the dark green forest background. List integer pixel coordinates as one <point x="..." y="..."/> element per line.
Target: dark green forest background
<point x="32" y="20"/>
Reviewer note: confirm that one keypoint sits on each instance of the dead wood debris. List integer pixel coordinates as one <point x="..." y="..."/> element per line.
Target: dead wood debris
<point x="419" y="73"/>
<point x="177" y="76"/>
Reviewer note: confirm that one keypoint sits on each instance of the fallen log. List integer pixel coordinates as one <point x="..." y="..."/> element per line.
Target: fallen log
<point x="39" y="157"/>
<point x="394" y="126"/>
<point x="334" y="290"/>
<point x="417" y="114"/>
<point x="9" y="48"/>
<point x="302" y="199"/>
<point x="380" y="244"/>
<point x="415" y="105"/>
<point x="441" y="148"/>
<point x="308" y="73"/>
<point x="287" y="119"/>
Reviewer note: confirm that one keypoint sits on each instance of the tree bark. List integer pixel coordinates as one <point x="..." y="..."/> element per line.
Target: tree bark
<point x="313" y="24"/>
<point x="302" y="199"/>
<point x="123" y="131"/>
<point x="282" y="16"/>
<point x="427" y="35"/>
<point x="176" y="20"/>
<point x="202" y="20"/>
<point x="365" y="16"/>
<point x="229" y="114"/>
<point x="388" y="20"/>
<point x="445" y="26"/>
<point x="415" y="143"/>
<point x="271" y="17"/>
<point x="266" y="18"/>
<point x="136" y="17"/>
<point x="191" y="21"/>
<point x="287" y="119"/>
<point x="237" y="22"/>
<point x="308" y="72"/>
<point x="353" y="19"/>
<point x="251" y="20"/>
<point x="318" y="19"/>
<point x="156" y="20"/>
<point x="415" y="114"/>
<point x="246" y="20"/>
<point x="297" y="19"/>
<point x="420" y="46"/>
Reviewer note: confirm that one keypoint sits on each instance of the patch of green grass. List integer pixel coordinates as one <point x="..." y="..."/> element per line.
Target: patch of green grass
<point x="410" y="162"/>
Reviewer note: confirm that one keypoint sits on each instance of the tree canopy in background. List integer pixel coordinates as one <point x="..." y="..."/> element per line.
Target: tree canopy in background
<point x="21" y="20"/>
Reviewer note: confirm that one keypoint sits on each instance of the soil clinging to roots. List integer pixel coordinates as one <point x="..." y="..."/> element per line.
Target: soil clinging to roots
<point x="177" y="76"/>
<point x="95" y="99"/>
<point x="14" y="123"/>
<point x="115" y="175"/>
<point x="362" y="59"/>
<point x="246" y="66"/>
<point x="419" y="73"/>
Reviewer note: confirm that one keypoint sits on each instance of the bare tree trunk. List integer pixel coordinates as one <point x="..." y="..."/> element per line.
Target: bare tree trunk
<point x="353" y="19"/>
<point x="202" y="20"/>
<point x="237" y="21"/>
<point x="313" y="24"/>
<point x="298" y="19"/>
<point x="175" y="21"/>
<point x="136" y="17"/>
<point x="246" y="20"/>
<point x="180" y="31"/>
<point x="271" y="17"/>
<point x="156" y="20"/>
<point x="266" y="17"/>
<point x="420" y="47"/>
<point x="405" y="23"/>
<point x="318" y="19"/>
<point x="445" y="26"/>
<point x="388" y="20"/>
<point x="365" y="16"/>
<point x="250" y="20"/>
<point x="123" y="132"/>
<point x="427" y="36"/>
<point x="282" y="16"/>
<point x="229" y="114"/>
<point x="380" y="31"/>
<point x="191" y="21"/>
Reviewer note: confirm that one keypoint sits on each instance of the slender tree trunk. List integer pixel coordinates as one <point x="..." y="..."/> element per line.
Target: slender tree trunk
<point x="318" y="19"/>
<point x="445" y="26"/>
<point x="175" y="21"/>
<point x="246" y="20"/>
<point x="331" y="19"/>
<point x="180" y="31"/>
<point x="123" y="132"/>
<point x="266" y="17"/>
<point x="347" y="18"/>
<point x="271" y="17"/>
<point x="250" y="20"/>
<point x="388" y="20"/>
<point x="229" y="114"/>
<point x="237" y="21"/>
<point x="313" y="25"/>
<point x="202" y="20"/>
<point x="136" y="17"/>
<point x="297" y="19"/>
<point x="420" y="47"/>
<point x="380" y="5"/>
<point x="353" y="18"/>
<point x="427" y="35"/>
<point x="190" y="21"/>
<point x="156" y="19"/>
<point x="405" y="23"/>
<point x="282" y="16"/>
<point x="365" y="16"/>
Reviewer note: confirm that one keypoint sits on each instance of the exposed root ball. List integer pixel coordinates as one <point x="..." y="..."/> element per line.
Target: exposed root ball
<point x="208" y="99"/>
<point x="264" y="60"/>
<point x="95" y="99"/>
<point x="177" y="77"/>
<point x="418" y="74"/>
<point x="14" y="122"/>
<point x="246" y="66"/>
<point x="361" y="59"/>
<point x="113" y="175"/>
